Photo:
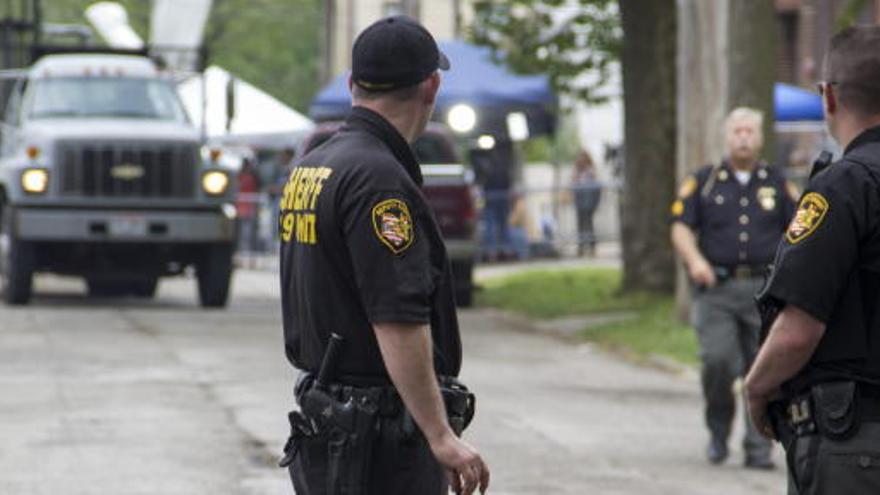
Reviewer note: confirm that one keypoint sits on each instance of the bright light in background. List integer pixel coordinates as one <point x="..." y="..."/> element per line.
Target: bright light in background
<point x="215" y="182"/>
<point x="517" y="126"/>
<point x="462" y="118"/>
<point x="486" y="142"/>
<point x="35" y="180"/>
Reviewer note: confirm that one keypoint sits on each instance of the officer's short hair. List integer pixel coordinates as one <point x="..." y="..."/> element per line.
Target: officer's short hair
<point x="852" y="66"/>
<point x="402" y="94"/>
<point x="745" y="113"/>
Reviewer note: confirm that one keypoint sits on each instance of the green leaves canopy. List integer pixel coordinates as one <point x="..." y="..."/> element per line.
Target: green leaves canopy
<point x="574" y="42"/>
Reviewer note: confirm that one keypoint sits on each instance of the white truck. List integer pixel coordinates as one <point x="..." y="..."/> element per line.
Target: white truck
<point x="102" y="176"/>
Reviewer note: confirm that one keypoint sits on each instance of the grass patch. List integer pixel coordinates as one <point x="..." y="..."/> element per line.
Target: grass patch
<point x="542" y="294"/>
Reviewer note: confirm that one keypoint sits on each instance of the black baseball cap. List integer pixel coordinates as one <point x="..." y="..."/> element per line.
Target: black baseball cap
<point x="393" y="53"/>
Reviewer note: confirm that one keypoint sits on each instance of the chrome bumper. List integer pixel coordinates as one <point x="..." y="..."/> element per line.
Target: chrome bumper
<point x="142" y="226"/>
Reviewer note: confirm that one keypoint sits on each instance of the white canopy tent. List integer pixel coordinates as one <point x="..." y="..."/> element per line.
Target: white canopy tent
<point x="259" y="120"/>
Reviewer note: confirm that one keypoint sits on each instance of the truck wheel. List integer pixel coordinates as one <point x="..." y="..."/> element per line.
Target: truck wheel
<point x="462" y="272"/>
<point x="16" y="264"/>
<point x="214" y="272"/>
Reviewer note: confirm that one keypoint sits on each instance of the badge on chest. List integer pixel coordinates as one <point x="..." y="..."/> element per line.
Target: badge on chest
<point x="767" y="198"/>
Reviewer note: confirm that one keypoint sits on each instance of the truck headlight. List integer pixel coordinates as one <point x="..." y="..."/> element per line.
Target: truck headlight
<point x="215" y="182"/>
<point x="35" y="180"/>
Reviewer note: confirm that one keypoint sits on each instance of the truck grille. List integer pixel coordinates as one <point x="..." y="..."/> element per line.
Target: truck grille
<point x="160" y="170"/>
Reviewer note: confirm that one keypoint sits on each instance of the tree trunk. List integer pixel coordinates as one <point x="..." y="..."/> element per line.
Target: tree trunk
<point x="752" y="36"/>
<point x="649" y="85"/>
<point x="702" y="98"/>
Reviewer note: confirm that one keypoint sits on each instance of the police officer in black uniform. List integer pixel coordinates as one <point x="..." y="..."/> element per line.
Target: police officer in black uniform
<point x="821" y="358"/>
<point x="362" y="259"/>
<point x="727" y="222"/>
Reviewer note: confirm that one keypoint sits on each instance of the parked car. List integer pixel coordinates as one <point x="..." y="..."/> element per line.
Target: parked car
<point x="449" y="188"/>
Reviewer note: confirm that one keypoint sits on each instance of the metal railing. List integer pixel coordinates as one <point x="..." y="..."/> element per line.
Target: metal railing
<point x="538" y="222"/>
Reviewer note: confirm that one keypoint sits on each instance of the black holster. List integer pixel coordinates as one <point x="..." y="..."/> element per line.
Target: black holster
<point x="830" y="409"/>
<point x="460" y="403"/>
<point x="347" y="418"/>
<point x="350" y="454"/>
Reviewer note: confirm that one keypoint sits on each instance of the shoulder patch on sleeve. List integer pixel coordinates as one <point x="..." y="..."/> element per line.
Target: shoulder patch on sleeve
<point x="810" y="213"/>
<point x="393" y="224"/>
<point x="677" y="208"/>
<point x="688" y="186"/>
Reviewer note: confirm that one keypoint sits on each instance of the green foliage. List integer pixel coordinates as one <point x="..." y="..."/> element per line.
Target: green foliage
<point x="555" y="37"/>
<point x="655" y="331"/>
<point x="557" y="294"/>
<point x="71" y="12"/>
<point x="850" y="13"/>
<point x="537" y="150"/>
<point x="273" y="44"/>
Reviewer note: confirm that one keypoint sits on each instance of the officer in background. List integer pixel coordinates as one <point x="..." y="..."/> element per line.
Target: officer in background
<point x="362" y="257"/>
<point x="822" y="355"/>
<point x="726" y="224"/>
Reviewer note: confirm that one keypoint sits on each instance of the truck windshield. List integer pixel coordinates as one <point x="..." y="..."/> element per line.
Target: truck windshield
<point x="112" y="97"/>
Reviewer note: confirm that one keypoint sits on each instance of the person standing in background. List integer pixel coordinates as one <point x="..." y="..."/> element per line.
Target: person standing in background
<point x="726" y="224"/>
<point x="587" y="192"/>
<point x="247" y="206"/>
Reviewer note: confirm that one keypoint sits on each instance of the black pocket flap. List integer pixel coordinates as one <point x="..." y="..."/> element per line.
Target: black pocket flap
<point x="835" y="399"/>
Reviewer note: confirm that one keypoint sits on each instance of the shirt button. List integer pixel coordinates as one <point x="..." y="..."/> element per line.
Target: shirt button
<point x="743" y="237"/>
<point x="719" y="199"/>
<point x="743" y="220"/>
<point x="744" y="202"/>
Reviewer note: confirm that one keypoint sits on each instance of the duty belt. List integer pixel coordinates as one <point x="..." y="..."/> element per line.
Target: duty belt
<point x="739" y="272"/>
<point x="459" y="401"/>
<point x="824" y="408"/>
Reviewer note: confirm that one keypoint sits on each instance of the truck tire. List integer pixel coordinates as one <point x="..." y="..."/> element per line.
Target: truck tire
<point x="462" y="272"/>
<point x="16" y="264"/>
<point x="214" y="272"/>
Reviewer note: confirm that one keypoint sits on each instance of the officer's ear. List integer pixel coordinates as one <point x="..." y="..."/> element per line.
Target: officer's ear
<point x="430" y="87"/>
<point x="829" y="99"/>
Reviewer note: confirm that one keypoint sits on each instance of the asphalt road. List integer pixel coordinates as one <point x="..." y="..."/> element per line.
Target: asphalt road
<point x="127" y="396"/>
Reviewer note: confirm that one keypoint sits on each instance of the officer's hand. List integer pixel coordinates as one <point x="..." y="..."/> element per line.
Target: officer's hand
<point x="701" y="273"/>
<point x="757" y="408"/>
<point x="758" y="415"/>
<point x="464" y="466"/>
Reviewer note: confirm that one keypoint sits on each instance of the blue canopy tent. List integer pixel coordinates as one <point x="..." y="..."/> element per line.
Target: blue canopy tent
<point x="474" y="79"/>
<point x="794" y="104"/>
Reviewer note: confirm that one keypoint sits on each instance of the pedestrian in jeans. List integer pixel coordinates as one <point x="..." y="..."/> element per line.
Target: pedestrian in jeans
<point x="587" y="192"/>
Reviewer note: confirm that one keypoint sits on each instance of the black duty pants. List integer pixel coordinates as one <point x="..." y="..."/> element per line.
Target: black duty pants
<point x="402" y="464"/>
<point x="819" y="466"/>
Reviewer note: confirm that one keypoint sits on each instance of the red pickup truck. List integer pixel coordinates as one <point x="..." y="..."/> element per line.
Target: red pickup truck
<point x="449" y="188"/>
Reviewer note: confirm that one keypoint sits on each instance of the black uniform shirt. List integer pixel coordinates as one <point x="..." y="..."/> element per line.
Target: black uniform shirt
<point x="736" y="224"/>
<point x="828" y="263"/>
<point x="359" y="245"/>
